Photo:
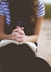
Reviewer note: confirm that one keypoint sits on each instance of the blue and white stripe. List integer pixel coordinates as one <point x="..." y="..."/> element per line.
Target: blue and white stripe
<point x="41" y="9"/>
<point x="4" y="10"/>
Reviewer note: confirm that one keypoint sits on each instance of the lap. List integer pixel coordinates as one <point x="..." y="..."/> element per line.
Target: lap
<point x="22" y="59"/>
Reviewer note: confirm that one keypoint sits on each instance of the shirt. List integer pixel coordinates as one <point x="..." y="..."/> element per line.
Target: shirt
<point x="4" y="10"/>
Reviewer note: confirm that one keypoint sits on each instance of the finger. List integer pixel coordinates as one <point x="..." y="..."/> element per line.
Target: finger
<point x="17" y="35"/>
<point x="14" y="33"/>
<point x="21" y="32"/>
<point x="18" y="27"/>
<point x="22" y="28"/>
<point x="17" y="39"/>
<point x="20" y="40"/>
<point x="18" y="31"/>
<point x="15" y="30"/>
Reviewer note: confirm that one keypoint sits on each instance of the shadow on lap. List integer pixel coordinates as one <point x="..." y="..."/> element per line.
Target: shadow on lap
<point x="20" y="58"/>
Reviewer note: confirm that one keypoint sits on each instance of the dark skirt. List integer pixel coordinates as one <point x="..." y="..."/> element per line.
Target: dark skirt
<point x="20" y="58"/>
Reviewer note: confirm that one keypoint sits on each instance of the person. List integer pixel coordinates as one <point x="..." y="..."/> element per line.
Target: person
<point x="20" y="20"/>
<point x="31" y="14"/>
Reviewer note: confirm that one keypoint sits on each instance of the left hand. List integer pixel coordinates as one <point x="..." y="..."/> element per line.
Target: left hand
<point x="25" y="38"/>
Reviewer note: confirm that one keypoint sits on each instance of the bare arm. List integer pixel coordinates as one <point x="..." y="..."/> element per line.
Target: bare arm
<point x="35" y="36"/>
<point x="38" y="25"/>
<point x="2" y="34"/>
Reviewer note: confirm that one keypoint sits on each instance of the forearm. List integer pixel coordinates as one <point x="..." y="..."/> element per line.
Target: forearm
<point x="32" y="38"/>
<point x="5" y="36"/>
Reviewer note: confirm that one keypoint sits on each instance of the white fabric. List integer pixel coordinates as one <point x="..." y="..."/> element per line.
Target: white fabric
<point x="30" y="44"/>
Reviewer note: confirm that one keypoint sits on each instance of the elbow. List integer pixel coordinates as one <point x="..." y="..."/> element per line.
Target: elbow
<point x="1" y="35"/>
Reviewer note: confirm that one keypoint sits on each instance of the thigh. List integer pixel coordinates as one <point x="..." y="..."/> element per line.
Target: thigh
<point x="7" y="54"/>
<point x="40" y="65"/>
<point x="17" y="57"/>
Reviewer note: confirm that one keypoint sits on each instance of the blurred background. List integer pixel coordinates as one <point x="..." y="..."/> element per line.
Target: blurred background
<point x="44" y="41"/>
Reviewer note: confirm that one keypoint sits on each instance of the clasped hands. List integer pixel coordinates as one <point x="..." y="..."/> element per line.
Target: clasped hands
<point x="18" y="34"/>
